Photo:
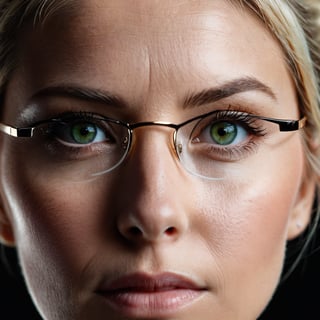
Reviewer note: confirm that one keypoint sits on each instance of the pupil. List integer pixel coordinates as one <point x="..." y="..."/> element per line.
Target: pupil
<point x="222" y="132"/>
<point x="84" y="131"/>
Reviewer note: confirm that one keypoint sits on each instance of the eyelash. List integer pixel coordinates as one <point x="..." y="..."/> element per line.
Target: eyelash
<point x="78" y="116"/>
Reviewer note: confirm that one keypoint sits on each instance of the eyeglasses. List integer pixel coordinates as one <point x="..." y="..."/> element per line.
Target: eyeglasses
<point x="81" y="146"/>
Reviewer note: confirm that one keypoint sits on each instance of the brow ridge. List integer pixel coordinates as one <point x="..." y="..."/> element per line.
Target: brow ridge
<point x="82" y="93"/>
<point x="227" y="90"/>
<point x="203" y="97"/>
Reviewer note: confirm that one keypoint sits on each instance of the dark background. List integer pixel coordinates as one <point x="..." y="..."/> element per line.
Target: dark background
<point x="297" y="298"/>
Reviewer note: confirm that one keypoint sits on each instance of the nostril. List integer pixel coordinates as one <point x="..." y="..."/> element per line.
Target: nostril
<point x="170" y="231"/>
<point x="135" y="231"/>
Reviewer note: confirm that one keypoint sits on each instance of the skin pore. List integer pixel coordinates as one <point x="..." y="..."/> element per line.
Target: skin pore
<point x="150" y="216"/>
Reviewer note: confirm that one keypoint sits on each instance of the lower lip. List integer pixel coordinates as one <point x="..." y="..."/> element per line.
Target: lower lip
<point x="151" y="304"/>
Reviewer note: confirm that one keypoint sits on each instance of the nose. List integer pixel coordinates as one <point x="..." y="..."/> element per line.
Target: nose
<point x="153" y="206"/>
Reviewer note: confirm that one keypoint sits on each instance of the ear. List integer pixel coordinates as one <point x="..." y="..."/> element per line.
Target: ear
<point x="6" y="230"/>
<point x="302" y="211"/>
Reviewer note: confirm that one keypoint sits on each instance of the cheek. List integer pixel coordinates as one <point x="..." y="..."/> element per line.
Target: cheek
<point x="56" y="229"/>
<point x="249" y="226"/>
<point x="246" y="224"/>
<point x="60" y="222"/>
<point x="244" y="208"/>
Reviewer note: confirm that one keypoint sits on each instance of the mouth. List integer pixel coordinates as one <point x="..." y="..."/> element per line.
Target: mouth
<point x="142" y="295"/>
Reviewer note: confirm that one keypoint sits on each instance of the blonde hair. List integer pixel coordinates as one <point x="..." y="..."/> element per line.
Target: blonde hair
<point x="294" y="23"/>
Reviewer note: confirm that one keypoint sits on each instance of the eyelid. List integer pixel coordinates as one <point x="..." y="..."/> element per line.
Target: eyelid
<point x="67" y="117"/>
<point x="79" y="115"/>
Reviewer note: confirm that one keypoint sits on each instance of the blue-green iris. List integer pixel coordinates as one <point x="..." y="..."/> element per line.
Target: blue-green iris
<point x="83" y="133"/>
<point x="223" y="133"/>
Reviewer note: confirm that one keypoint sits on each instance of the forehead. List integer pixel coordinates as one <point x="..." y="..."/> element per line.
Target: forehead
<point x="154" y="25"/>
<point x="139" y="49"/>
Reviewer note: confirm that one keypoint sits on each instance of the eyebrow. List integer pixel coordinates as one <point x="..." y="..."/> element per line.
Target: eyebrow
<point x="207" y="96"/>
<point x="227" y="90"/>
<point x="82" y="93"/>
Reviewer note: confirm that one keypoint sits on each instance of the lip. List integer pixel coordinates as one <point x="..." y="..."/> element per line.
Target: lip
<point x="142" y="295"/>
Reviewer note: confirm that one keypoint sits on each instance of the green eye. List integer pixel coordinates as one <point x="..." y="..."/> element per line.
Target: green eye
<point x="223" y="133"/>
<point x="83" y="133"/>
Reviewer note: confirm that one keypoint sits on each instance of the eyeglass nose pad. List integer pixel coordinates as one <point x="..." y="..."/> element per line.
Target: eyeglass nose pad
<point x="177" y="145"/>
<point x="179" y="149"/>
<point x="126" y="145"/>
<point x="126" y="142"/>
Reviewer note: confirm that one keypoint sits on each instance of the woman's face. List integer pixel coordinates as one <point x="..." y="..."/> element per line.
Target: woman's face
<point x="149" y="240"/>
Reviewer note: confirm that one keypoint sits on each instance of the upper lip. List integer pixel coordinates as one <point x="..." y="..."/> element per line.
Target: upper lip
<point x="142" y="282"/>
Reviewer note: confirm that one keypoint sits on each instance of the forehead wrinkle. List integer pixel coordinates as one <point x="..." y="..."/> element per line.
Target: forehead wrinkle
<point x="124" y="18"/>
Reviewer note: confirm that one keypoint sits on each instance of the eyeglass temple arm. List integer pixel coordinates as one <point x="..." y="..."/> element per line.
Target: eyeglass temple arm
<point x="17" y="132"/>
<point x="289" y="125"/>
